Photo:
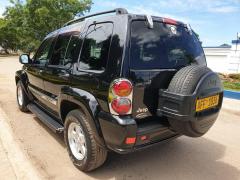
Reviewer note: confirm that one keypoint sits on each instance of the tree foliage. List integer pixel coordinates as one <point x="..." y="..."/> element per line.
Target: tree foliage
<point x="8" y="37"/>
<point x="26" y="23"/>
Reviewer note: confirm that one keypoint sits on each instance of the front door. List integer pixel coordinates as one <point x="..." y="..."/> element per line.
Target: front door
<point x="36" y="69"/>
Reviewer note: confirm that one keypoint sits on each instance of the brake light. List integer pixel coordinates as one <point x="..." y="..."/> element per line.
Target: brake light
<point x="120" y="97"/>
<point x="122" y="88"/>
<point x="169" y="21"/>
<point x="121" y="105"/>
<point x="130" y="140"/>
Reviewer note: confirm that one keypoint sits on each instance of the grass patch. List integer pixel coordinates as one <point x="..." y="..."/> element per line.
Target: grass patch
<point x="235" y="86"/>
<point x="231" y="81"/>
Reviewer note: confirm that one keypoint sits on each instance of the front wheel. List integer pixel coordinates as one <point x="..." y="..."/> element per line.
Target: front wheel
<point x="83" y="150"/>
<point x="22" y="98"/>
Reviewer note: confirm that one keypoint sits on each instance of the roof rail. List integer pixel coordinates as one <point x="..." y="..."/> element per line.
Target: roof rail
<point x="117" y="11"/>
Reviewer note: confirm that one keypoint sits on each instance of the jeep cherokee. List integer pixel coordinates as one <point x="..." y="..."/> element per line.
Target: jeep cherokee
<point x="115" y="81"/>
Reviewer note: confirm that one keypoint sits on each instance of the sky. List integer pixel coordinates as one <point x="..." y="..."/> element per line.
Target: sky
<point x="216" y="21"/>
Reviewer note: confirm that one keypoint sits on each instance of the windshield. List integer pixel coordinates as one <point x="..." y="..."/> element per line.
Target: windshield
<point x="163" y="47"/>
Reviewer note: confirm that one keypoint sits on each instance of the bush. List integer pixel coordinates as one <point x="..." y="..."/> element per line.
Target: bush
<point x="231" y="86"/>
<point x="234" y="76"/>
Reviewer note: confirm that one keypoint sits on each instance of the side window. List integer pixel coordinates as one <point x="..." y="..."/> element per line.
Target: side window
<point x="73" y="50"/>
<point x="95" y="48"/>
<point x="44" y="52"/>
<point x="60" y="50"/>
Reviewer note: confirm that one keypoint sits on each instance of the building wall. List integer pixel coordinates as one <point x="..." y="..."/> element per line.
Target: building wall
<point x="223" y="59"/>
<point x="217" y="59"/>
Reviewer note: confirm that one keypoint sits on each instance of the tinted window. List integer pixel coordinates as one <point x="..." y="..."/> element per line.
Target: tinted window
<point x="73" y="50"/>
<point x="60" y="50"/>
<point x="95" y="49"/>
<point x="44" y="52"/>
<point x="164" y="46"/>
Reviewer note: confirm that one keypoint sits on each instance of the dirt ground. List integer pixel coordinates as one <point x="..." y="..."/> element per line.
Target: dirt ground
<point x="214" y="156"/>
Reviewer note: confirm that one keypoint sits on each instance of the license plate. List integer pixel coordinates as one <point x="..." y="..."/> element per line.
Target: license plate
<point x="207" y="103"/>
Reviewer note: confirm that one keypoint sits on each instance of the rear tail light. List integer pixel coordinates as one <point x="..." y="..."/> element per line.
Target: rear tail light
<point x="121" y="105"/>
<point x="120" y="97"/>
<point x="130" y="140"/>
<point x="122" y="88"/>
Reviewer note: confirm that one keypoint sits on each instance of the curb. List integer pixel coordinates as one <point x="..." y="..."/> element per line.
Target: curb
<point x="232" y="94"/>
<point x="22" y="167"/>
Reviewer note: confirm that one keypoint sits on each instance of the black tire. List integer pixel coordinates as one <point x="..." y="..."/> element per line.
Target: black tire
<point x="184" y="82"/>
<point x="25" y="101"/>
<point x="186" y="79"/>
<point x="95" y="155"/>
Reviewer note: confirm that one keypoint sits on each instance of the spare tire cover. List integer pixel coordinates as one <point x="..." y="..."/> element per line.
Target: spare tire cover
<point x="185" y="82"/>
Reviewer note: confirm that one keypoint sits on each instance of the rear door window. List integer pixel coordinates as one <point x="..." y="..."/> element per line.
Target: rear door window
<point x="95" y="50"/>
<point x="73" y="50"/>
<point x="163" y="47"/>
<point x="60" y="48"/>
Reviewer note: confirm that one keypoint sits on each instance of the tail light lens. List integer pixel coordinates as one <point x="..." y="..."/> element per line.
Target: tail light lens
<point x="120" y="97"/>
<point x="122" y="88"/>
<point x="121" y="105"/>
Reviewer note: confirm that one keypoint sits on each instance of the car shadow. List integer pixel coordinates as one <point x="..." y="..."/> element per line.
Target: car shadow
<point x="183" y="158"/>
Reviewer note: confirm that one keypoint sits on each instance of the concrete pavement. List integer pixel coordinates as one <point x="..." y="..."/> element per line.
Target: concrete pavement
<point x="13" y="163"/>
<point x="6" y="169"/>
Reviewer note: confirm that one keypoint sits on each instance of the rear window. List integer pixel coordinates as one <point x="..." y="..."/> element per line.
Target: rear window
<point x="165" y="46"/>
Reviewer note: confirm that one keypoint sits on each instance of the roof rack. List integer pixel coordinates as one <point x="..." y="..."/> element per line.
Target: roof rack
<point x="117" y="11"/>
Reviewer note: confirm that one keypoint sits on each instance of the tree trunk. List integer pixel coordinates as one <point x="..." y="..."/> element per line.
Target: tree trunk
<point x="6" y="51"/>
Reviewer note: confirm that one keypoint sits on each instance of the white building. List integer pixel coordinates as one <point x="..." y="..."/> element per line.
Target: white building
<point x="224" y="59"/>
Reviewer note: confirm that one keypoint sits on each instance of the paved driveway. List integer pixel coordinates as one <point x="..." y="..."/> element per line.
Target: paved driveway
<point x="213" y="156"/>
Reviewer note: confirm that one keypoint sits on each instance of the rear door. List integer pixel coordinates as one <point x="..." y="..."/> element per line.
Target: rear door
<point x="36" y="69"/>
<point x="155" y="56"/>
<point x="92" y="69"/>
<point x="59" y="70"/>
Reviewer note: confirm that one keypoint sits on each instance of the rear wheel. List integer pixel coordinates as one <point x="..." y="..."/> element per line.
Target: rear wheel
<point x="22" y="98"/>
<point x="83" y="150"/>
<point x="184" y="82"/>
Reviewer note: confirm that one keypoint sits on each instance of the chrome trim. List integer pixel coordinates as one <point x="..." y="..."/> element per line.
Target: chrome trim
<point x="130" y="96"/>
<point x="20" y="95"/>
<point x="77" y="141"/>
<point x="43" y="96"/>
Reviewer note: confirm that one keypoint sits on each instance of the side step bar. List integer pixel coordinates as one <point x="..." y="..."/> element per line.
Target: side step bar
<point x="45" y="118"/>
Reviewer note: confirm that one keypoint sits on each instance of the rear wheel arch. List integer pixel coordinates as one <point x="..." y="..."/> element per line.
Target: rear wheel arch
<point x="70" y="104"/>
<point x="66" y="106"/>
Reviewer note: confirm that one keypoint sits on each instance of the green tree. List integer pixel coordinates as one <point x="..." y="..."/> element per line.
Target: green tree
<point x="8" y="37"/>
<point x="32" y="20"/>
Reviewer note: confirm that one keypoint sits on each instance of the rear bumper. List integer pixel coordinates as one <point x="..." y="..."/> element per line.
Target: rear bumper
<point x="115" y="130"/>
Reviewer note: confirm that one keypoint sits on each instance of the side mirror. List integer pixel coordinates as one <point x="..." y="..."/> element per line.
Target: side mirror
<point x="24" y="59"/>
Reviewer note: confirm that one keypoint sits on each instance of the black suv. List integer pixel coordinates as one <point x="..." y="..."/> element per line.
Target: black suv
<point x="119" y="82"/>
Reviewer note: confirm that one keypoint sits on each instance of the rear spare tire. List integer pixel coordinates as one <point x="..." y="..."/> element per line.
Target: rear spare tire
<point x="185" y="82"/>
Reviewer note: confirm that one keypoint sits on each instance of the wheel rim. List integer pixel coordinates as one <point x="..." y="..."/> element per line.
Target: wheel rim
<point x="20" y="95"/>
<point x="77" y="141"/>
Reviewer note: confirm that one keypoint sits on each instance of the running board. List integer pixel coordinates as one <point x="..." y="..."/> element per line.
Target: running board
<point x="45" y="118"/>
